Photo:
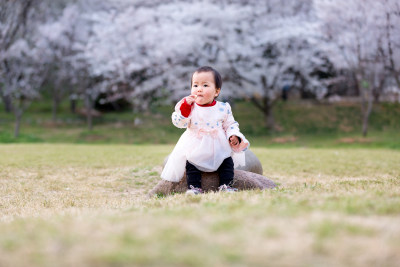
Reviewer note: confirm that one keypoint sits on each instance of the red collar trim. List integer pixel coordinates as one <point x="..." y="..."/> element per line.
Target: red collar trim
<point x="208" y="105"/>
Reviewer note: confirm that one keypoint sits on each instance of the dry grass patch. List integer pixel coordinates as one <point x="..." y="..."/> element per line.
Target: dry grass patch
<point x="350" y="140"/>
<point x="283" y="140"/>
<point x="79" y="205"/>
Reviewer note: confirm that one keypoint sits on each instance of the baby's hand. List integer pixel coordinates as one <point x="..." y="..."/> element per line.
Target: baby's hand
<point x="233" y="140"/>
<point x="190" y="99"/>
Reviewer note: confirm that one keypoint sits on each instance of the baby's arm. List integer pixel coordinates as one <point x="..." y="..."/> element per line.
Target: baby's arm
<point x="181" y="116"/>
<point x="236" y="139"/>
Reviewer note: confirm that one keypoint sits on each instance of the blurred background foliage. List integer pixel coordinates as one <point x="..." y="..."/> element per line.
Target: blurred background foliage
<point x="298" y="73"/>
<point x="298" y="124"/>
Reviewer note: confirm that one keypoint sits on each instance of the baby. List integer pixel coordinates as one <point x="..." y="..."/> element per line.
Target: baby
<point x="212" y="140"/>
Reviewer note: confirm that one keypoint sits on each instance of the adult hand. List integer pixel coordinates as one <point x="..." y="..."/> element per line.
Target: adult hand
<point x="190" y="99"/>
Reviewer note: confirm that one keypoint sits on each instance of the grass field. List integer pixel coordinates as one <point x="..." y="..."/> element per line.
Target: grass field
<point x="86" y="205"/>
<point x="299" y="124"/>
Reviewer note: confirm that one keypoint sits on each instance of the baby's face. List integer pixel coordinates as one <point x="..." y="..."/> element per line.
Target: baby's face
<point x="203" y="86"/>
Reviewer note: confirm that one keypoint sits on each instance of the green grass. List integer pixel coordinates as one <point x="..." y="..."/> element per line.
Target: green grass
<point x="299" y="124"/>
<point x="86" y="205"/>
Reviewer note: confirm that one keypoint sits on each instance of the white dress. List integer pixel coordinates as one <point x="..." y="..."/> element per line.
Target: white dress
<point x="205" y="143"/>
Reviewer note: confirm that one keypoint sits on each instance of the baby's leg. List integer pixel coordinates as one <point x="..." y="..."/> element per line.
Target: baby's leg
<point x="193" y="176"/>
<point x="225" y="172"/>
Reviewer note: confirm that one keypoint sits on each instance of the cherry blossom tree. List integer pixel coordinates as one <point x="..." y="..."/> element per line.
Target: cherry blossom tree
<point x="20" y="75"/>
<point x="256" y="49"/>
<point x="142" y="50"/>
<point x="64" y="41"/>
<point x="58" y="40"/>
<point x="274" y="47"/>
<point x="138" y="57"/>
<point x="391" y="46"/>
<point x="24" y="60"/>
<point x="359" y="37"/>
<point x="22" y="80"/>
<point x="13" y="23"/>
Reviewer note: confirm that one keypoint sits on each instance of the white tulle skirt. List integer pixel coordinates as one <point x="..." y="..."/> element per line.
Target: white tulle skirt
<point x="206" y="151"/>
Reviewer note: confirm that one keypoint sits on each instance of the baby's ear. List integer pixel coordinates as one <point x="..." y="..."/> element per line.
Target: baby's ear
<point x="217" y="91"/>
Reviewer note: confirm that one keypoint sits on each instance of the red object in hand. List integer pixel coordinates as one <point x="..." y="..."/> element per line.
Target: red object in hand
<point x="185" y="109"/>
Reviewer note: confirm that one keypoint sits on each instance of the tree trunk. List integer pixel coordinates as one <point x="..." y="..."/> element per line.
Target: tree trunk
<point x="18" y="115"/>
<point x="7" y="101"/>
<point x="356" y="84"/>
<point x="366" y="116"/>
<point x="266" y="108"/>
<point x="54" y="109"/>
<point x="269" y="117"/>
<point x="393" y="68"/>
<point x="89" y="117"/>
<point x="72" y="105"/>
<point x="19" y="109"/>
<point x="367" y="100"/>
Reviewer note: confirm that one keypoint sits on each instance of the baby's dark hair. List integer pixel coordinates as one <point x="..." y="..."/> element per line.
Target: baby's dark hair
<point x="217" y="76"/>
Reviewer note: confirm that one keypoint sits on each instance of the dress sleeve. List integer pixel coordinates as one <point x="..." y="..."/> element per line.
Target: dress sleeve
<point x="231" y="127"/>
<point x="178" y="119"/>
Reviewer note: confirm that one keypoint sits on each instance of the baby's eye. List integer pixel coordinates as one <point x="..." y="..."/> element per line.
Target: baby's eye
<point x="195" y="85"/>
<point x="205" y="85"/>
